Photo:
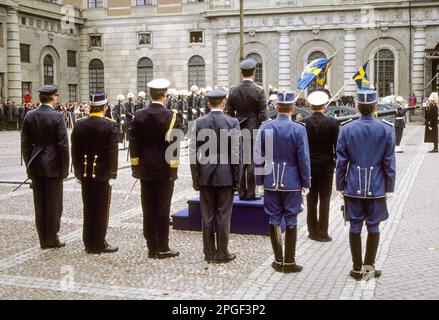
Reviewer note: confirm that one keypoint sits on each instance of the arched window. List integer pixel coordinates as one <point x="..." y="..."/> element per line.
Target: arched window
<point x="96" y="76"/>
<point x="384" y="72"/>
<point x="259" y="72"/>
<point x="313" y="86"/>
<point x="144" y="73"/>
<point x="48" y="69"/>
<point x="196" y="72"/>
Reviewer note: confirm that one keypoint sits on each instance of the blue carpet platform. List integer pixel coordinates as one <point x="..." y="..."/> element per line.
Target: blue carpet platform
<point x="248" y="217"/>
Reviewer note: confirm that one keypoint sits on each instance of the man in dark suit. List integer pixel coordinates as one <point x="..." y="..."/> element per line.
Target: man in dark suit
<point x="9" y="119"/>
<point x="322" y="138"/>
<point x="94" y="157"/>
<point x="247" y="103"/>
<point x="151" y="136"/>
<point x="45" y="148"/>
<point x="216" y="176"/>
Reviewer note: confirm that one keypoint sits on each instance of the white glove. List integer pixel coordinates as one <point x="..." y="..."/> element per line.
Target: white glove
<point x="341" y="194"/>
<point x="122" y="122"/>
<point x="112" y="182"/>
<point x="389" y="195"/>
<point x="259" y="190"/>
<point x="305" y="191"/>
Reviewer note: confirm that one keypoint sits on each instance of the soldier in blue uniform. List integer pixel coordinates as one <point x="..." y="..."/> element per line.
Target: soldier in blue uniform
<point x="284" y="173"/>
<point x="365" y="173"/>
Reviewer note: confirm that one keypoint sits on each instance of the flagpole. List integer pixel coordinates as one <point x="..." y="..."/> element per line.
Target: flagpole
<point x="338" y="92"/>
<point x="300" y="93"/>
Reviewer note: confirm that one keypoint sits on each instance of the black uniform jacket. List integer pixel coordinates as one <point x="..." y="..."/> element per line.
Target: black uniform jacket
<point x="219" y="167"/>
<point x="44" y="143"/>
<point x="95" y="148"/>
<point x="247" y="103"/>
<point x="150" y="135"/>
<point x="322" y="138"/>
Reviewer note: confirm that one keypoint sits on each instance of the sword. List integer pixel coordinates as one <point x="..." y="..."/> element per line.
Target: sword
<point x="28" y="165"/>
<point x="19" y="186"/>
<point x="132" y="188"/>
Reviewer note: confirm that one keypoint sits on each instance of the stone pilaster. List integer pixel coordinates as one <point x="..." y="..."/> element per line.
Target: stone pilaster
<point x="419" y="43"/>
<point x="222" y="60"/>
<point x="13" y="49"/>
<point x="350" y="63"/>
<point x="284" y="60"/>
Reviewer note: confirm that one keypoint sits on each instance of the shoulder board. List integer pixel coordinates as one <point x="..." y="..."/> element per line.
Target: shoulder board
<point x="109" y="119"/>
<point x="388" y="123"/>
<point x="345" y="122"/>
<point x="258" y="86"/>
<point x="81" y="118"/>
<point x="300" y="122"/>
<point x="266" y="121"/>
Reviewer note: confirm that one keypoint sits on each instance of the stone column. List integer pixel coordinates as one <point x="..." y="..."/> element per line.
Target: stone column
<point x="222" y="72"/>
<point x="13" y="49"/>
<point x="350" y="61"/>
<point x="419" y="43"/>
<point x="284" y="60"/>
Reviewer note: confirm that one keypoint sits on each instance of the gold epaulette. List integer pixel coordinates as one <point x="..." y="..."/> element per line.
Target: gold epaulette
<point x="112" y="120"/>
<point x="171" y="126"/>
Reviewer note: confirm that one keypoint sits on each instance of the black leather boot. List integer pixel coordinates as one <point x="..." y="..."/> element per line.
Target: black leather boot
<point x="276" y="243"/>
<point x="373" y="239"/>
<point x="357" y="259"/>
<point x="290" y="251"/>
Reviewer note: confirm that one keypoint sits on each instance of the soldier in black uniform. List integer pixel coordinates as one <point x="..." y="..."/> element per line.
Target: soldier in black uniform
<point x="45" y="148"/>
<point x="140" y="104"/>
<point x="150" y="136"/>
<point x="247" y="102"/>
<point x="94" y="157"/>
<point x="322" y="134"/>
<point x="399" y="122"/>
<point x="119" y="110"/>
<point x="130" y="109"/>
<point x="2" y="117"/>
<point x="192" y="103"/>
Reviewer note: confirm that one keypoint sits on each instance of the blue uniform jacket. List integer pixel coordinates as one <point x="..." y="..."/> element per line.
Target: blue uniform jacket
<point x="366" y="158"/>
<point x="288" y="167"/>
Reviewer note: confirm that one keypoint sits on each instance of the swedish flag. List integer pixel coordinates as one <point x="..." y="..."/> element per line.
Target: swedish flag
<point x="311" y="71"/>
<point x="321" y="78"/>
<point x="361" y="78"/>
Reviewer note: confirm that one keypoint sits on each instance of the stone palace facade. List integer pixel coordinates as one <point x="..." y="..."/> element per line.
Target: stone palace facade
<point x="119" y="45"/>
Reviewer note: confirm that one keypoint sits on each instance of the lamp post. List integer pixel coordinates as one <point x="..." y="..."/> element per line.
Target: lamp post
<point x="241" y="30"/>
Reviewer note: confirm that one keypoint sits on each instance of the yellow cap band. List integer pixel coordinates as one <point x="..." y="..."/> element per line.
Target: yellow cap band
<point x="134" y="161"/>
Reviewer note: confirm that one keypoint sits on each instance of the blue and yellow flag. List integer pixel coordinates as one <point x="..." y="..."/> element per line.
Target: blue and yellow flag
<point x="321" y="78"/>
<point x="311" y="71"/>
<point x="361" y="78"/>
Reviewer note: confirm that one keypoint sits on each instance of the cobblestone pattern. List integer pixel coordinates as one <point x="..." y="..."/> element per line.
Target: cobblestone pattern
<point x="30" y="273"/>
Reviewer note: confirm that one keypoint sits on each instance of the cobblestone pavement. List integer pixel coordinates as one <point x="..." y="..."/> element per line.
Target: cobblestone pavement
<point x="408" y="251"/>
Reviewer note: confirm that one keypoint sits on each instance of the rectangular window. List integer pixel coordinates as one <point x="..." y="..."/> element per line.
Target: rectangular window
<point x="25" y="52"/>
<point x="195" y="36"/>
<point x="143" y="2"/>
<point x="23" y="20"/>
<point x="95" y="41"/>
<point x="95" y="3"/>
<point x="144" y="38"/>
<point x="26" y="88"/>
<point x="73" y="88"/>
<point x="71" y="58"/>
<point x="1" y="36"/>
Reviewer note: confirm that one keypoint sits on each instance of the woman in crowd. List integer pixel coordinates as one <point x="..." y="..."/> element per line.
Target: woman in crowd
<point x="431" y="127"/>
